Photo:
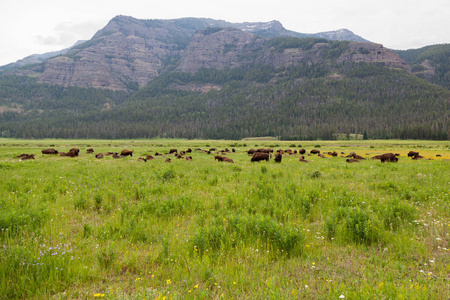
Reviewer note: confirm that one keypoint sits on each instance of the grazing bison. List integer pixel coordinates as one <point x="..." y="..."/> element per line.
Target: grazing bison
<point x="314" y="151"/>
<point x="334" y="153"/>
<point x="302" y="151"/>
<point x="302" y="159"/>
<point x="71" y="153"/>
<point x="217" y="157"/>
<point x="389" y="157"/>
<point x="173" y="151"/>
<point x="412" y="153"/>
<point x="21" y="156"/>
<point x="418" y="157"/>
<point x="74" y="150"/>
<point x="49" y="151"/>
<point x="189" y="150"/>
<point x="30" y="156"/>
<point x="258" y="156"/>
<point x="352" y="160"/>
<point x="150" y="157"/>
<point x="99" y="156"/>
<point x="90" y="150"/>
<point x="278" y="157"/>
<point x="226" y="159"/>
<point x="251" y="151"/>
<point x="126" y="153"/>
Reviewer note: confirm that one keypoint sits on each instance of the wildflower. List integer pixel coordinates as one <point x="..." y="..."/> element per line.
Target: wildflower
<point x="196" y="286"/>
<point x="341" y="297"/>
<point x="168" y="281"/>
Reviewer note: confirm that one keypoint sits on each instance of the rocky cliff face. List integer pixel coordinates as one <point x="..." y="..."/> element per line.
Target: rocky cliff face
<point x="128" y="52"/>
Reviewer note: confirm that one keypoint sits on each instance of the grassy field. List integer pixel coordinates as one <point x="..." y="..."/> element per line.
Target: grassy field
<point x="85" y="228"/>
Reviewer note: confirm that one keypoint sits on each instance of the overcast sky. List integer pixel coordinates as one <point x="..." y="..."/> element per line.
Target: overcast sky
<point x="38" y="26"/>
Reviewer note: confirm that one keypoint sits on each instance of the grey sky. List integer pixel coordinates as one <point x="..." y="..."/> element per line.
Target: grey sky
<point x="38" y="26"/>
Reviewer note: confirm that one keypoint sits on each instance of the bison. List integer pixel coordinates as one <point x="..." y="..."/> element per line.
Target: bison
<point x="173" y="151"/>
<point x="71" y="153"/>
<point x="89" y="150"/>
<point x="150" y="157"/>
<point x="418" y="157"/>
<point x="412" y="153"/>
<point x="189" y="158"/>
<point x="258" y="156"/>
<point x="99" y="156"/>
<point x="140" y="159"/>
<point x="352" y="160"/>
<point x="389" y="157"/>
<point x="302" y="151"/>
<point x="314" y="151"/>
<point x="76" y="151"/>
<point x="302" y="159"/>
<point x="49" y="151"/>
<point x="226" y="159"/>
<point x="168" y="160"/>
<point x="251" y="151"/>
<point x="126" y="153"/>
<point x="21" y="156"/>
<point x="278" y="157"/>
<point x="115" y="155"/>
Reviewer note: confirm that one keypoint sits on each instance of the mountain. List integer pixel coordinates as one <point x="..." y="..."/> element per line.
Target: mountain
<point x="204" y="78"/>
<point x="128" y="53"/>
<point x="37" y="58"/>
<point x="431" y="63"/>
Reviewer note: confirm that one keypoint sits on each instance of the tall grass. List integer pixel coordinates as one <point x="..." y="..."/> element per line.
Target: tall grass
<point x="81" y="227"/>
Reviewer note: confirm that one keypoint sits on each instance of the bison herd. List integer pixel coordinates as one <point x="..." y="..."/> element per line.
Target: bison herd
<point x="256" y="155"/>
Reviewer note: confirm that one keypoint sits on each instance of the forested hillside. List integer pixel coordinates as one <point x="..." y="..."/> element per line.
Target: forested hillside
<point x="431" y="63"/>
<point x="290" y="102"/>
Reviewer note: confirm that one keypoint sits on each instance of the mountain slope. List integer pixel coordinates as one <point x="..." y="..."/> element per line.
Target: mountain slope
<point x="128" y="53"/>
<point x="431" y="63"/>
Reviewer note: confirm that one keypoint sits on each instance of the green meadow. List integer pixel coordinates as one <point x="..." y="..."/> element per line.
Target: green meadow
<point x="86" y="228"/>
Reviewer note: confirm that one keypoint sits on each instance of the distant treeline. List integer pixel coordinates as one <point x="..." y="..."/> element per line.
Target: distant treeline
<point x="292" y="103"/>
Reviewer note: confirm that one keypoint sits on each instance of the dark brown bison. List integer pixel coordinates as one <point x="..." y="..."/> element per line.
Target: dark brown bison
<point x="418" y="157"/>
<point x="25" y="156"/>
<point x="109" y="153"/>
<point x="251" y="151"/>
<point x="76" y="151"/>
<point x="412" y="153"/>
<point x="302" y="151"/>
<point x="334" y="153"/>
<point x="89" y="150"/>
<point x="140" y="159"/>
<point x="99" y="156"/>
<point x="322" y="156"/>
<point x="233" y="150"/>
<point x="217" y="157"/>
<point x="302" y="159"/>
<point x="115" y="155"/>
<point x="258" y="156"/>
<point x="352" y="160"/>
<point x="356" y="156"/>
<point x="49" y="151"/>
<point x="314" y="151"/>
<point x="226" y="159"/>
<point x="389" y="157"/>
<point x="189" y="150"/>
<point x="168" y="160"/>
<point x="126" y="153"/>
<point x="189" y="158"/>
<point x="173" y="151"/>
<point x="150" y="157"/>
<point x="278" y="157"/>
<point x="21" y="156"/>
<point x="376" y="157"/>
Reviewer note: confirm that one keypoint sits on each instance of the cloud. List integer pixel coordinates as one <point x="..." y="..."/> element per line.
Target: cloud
<point x="67" y="33"/>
